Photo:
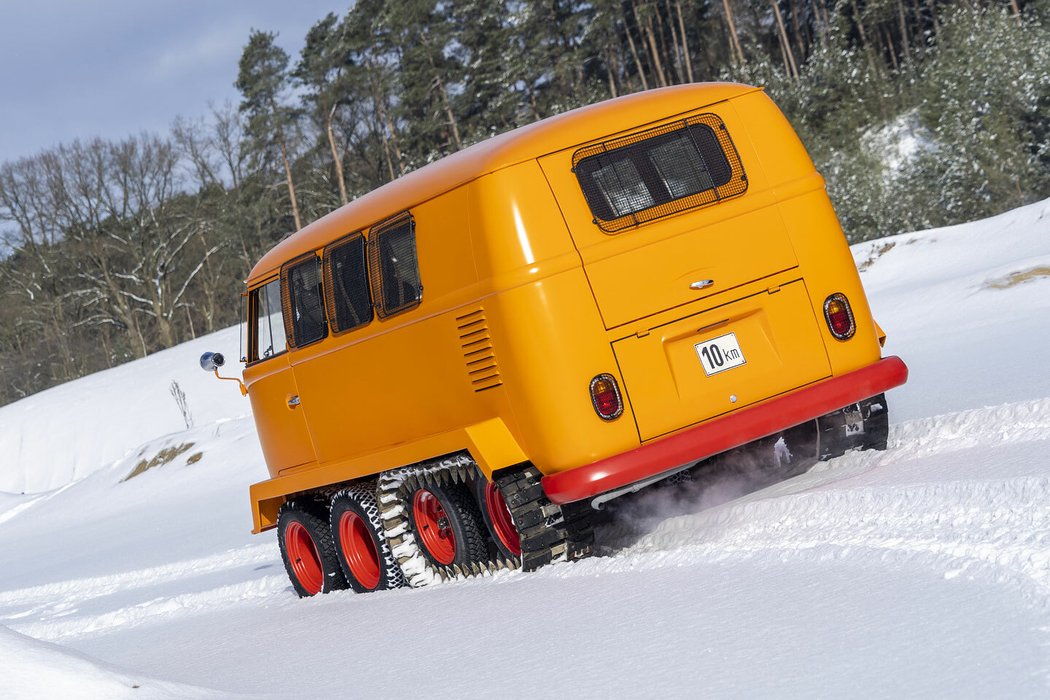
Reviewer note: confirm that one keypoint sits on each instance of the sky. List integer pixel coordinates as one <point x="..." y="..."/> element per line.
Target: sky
<point x="114" y="68"/>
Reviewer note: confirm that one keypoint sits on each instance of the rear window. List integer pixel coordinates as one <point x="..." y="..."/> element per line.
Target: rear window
<point x="659" y="172"/>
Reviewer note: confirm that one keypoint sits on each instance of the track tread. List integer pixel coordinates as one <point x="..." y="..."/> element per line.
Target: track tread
<point x="548" y="532"/>
<point x="364" y="495"/>
<point x="394" y="489"/>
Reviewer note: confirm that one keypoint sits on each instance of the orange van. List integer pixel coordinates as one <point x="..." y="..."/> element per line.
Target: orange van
<point x="451" y="372"/>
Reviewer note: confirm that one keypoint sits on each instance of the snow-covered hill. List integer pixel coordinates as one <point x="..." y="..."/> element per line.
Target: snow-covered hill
<point x="923" y="570"/>
<point x="67" y="432"/>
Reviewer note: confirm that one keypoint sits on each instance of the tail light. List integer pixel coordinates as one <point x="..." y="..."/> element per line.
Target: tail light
<point x="605" y="395"/>
<point x="839" y="316"/>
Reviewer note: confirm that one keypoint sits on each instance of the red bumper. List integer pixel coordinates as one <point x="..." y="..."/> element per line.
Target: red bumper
<point x="707" y="439"/>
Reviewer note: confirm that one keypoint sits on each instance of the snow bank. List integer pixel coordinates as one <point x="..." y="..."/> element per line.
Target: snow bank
<point x="65" y="433"/>
<point x="33" y="669"/>
<point x="968" y="308"/>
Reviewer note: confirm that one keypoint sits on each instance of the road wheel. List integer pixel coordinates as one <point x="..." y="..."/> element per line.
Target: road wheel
<point x="307" y="548"/>
<point x="498" y="518"/>
<point x="433" y="524"/>
<point x="447" y="525"/>
<point x="363" y="552"/>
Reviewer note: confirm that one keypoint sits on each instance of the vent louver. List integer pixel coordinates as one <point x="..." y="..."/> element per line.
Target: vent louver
<point x="478" y="352"/>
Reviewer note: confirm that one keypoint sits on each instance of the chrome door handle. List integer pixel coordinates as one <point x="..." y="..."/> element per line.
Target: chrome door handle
<point x="701" y="284"/>
<point x="293" y="401"/>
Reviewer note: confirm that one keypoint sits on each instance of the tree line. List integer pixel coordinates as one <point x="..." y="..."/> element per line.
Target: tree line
<point x="918" y="112"/>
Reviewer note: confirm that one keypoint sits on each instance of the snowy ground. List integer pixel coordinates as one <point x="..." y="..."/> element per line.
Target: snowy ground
<point x="920" y="571"/>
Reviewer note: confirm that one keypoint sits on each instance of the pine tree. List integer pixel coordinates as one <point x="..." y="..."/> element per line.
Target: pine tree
<point x="483" y="38"/>
<point x="263" y="81"/>
<point x="987" y="112"/>
<point x="553" y="62"/>
<point x="419" y="34"/>
<point x="321" y="70"/>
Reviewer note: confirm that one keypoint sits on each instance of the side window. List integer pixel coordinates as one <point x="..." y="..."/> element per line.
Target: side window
<point x="346" y="281"/>
<point x="304" y="319"/>
<point x="659" y="172"/>
<point x="393" y="265"/>
<point x="268" y="326"/>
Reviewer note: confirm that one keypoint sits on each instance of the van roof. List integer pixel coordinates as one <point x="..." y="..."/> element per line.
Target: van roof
<point x="524" y="143"/>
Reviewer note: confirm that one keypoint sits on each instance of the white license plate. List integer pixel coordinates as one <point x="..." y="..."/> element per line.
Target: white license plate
<point x="719" y="354"/>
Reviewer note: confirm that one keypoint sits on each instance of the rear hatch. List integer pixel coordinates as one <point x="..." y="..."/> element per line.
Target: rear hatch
<point x="672" y="220"/>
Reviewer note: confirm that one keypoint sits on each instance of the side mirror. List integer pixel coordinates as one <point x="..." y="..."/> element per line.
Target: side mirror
<point x="211" y="361"/>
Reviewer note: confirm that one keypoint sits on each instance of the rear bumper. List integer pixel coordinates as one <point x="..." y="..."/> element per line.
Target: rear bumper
<point x="707" y="439"/>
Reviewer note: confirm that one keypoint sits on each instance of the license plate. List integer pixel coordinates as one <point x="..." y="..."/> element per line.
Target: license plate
<point x="719" y="354"/>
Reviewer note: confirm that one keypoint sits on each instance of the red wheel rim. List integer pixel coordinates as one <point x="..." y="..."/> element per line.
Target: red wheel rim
<point x="305" y="561"/>
<point x="502" y="522"/>
<point x="433" y="527"/>
<point x="355" y="539"/>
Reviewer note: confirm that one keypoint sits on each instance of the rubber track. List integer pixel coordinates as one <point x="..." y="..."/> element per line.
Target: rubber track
<point x="549" y="533"/>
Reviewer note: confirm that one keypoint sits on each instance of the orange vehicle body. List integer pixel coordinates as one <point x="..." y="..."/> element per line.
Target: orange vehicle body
<point x="526" y="298"/>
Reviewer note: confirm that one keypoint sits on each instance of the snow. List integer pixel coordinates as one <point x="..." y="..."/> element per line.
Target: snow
<point x="969" y="342"/>
<point x="899" y="142"/>
<point x="71" y="430"/>
<point x="35" y="669"/>
<point x="923" y="570"/>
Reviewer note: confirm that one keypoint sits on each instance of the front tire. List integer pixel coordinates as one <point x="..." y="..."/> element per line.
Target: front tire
<point x="307" y="549"/>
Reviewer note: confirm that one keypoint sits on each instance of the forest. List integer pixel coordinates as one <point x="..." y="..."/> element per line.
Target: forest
<point x="919" y="113"/>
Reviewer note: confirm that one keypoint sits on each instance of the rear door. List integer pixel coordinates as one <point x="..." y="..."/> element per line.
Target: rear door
<point x="675" y="220"/>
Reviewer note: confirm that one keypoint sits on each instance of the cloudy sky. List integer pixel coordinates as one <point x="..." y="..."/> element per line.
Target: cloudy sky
<point x="81" y="68"/>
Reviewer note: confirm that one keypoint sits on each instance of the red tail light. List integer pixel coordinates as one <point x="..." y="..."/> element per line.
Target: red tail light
<point x="605" y="395"/>
<point x="839" y="316"/>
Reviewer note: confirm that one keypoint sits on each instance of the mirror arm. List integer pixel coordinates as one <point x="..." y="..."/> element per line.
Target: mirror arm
<point x="240" y="384"/>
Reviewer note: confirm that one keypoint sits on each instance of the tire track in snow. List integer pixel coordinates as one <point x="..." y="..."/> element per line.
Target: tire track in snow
<point x="55" y="608"/>
<point x="81" y="589"/>
<point x="995" y="528"/>
<point x="1023" y="421"/>
<point x="180" y="605"/>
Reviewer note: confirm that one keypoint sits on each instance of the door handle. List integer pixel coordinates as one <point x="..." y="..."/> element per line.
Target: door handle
<point x="701" y="284"/>
<point x="293" y="401"/>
